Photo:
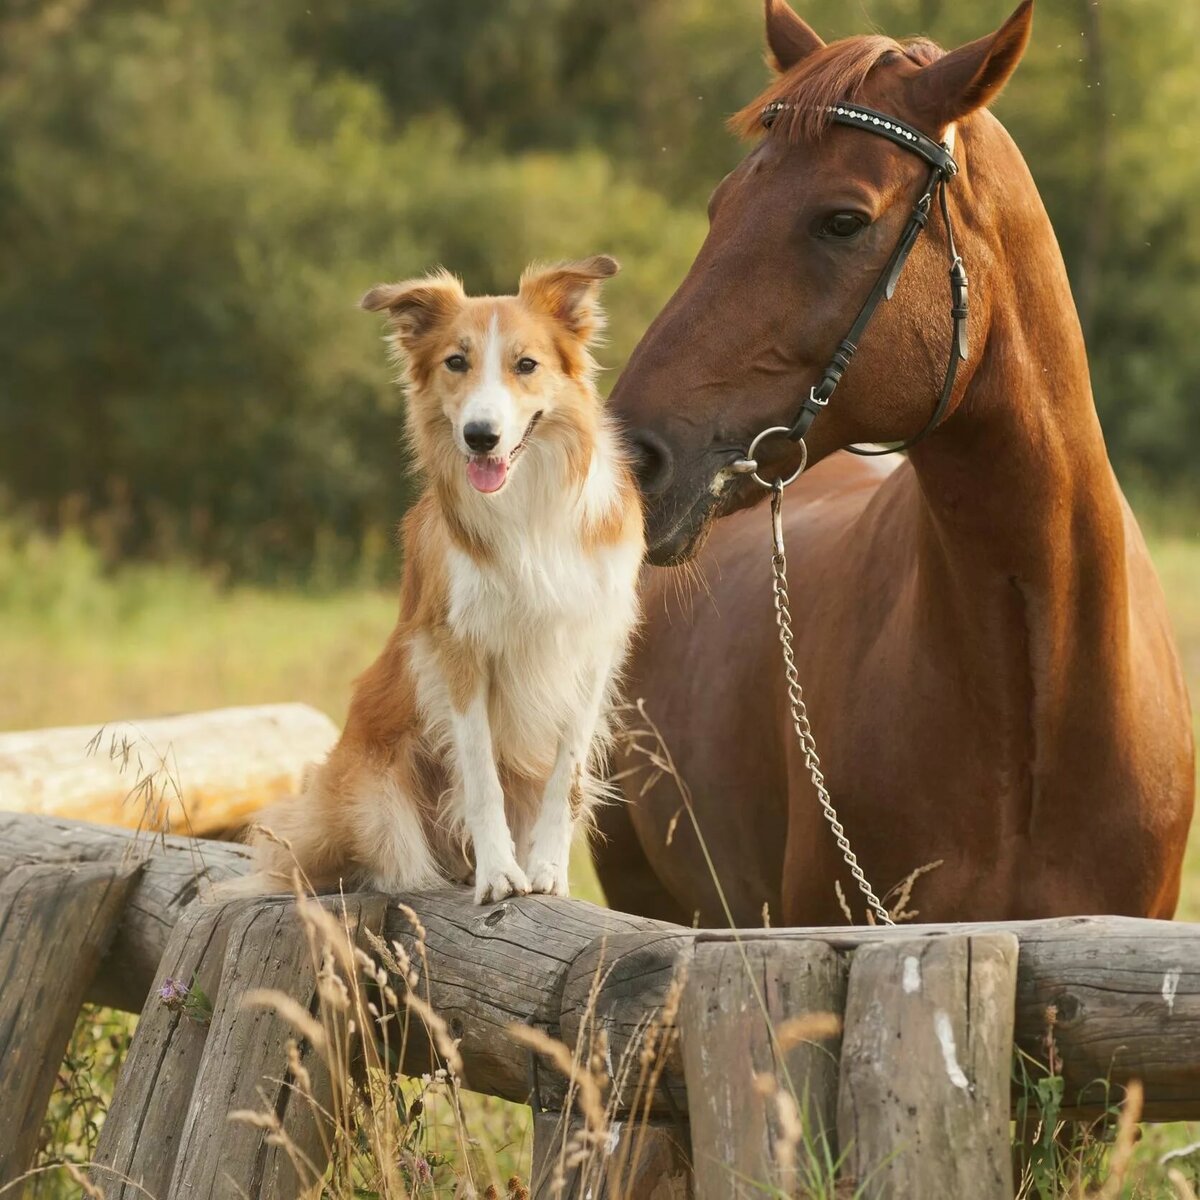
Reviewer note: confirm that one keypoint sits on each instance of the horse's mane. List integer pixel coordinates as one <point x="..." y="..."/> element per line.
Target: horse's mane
<point x="830" y="76"/>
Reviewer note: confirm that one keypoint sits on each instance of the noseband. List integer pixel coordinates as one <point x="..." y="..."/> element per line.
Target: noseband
<point x="943" y="169"/>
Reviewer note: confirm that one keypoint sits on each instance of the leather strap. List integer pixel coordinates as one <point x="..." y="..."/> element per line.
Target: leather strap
<point x="895" y="130"/>
<point x="943" y="169"/>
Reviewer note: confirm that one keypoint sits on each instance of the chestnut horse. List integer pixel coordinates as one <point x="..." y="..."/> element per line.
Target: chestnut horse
<point x="980" y="633"/>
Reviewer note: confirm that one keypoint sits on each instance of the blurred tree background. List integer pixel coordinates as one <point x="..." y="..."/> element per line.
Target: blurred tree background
<point x="194" y="193"/>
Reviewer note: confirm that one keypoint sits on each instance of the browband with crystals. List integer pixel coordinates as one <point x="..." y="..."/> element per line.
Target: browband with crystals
<point x="858" y="115"/>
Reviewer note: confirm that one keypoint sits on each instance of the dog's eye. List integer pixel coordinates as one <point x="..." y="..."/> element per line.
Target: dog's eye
<point x="843" y="225"/>
<point x="526" y="366"/>
<point x="457" y="362"/>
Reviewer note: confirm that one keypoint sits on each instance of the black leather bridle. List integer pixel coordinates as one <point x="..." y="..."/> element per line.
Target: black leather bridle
<point x="944" y="168"/>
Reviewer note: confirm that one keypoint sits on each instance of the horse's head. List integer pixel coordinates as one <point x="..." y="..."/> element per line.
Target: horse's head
<point x="799" y="233"/>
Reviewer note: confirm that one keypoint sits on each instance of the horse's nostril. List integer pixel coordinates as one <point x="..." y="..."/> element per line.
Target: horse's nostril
<point x="653" y="461"/>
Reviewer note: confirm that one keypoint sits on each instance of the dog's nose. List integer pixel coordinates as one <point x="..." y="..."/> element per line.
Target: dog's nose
<point x="480" y="436"/>
<point x="653" y="461"/>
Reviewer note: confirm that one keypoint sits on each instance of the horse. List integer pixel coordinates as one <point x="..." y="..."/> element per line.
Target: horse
<point x="993" y="688"/>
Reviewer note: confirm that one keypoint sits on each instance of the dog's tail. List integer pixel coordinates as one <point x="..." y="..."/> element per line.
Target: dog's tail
<point x="369" y="835"/>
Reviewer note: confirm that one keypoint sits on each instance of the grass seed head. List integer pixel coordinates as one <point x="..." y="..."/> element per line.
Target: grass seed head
<point x="808" y="1027"/>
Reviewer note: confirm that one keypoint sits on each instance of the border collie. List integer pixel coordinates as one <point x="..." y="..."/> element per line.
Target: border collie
<point x="474" y="740"/>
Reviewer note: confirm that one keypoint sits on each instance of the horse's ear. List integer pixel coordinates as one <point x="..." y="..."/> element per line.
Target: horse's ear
<point x="971" y="76"/>
<point x="788" y="36"/>
<point x="416" y="306"/>
<point x="570" y="292"/>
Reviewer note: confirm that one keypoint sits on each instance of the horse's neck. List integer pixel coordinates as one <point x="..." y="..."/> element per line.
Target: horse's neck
<point x="1021" y="478"/>
<point x="1024" y="522"/>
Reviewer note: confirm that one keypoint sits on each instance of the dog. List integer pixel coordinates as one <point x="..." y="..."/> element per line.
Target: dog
<point x="481" y="728"/>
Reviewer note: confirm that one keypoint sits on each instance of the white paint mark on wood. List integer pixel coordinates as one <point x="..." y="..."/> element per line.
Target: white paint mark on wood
<point x="614" y="1138"/>
<point x="1169" y="987"/>
<point x="945" y="1037"/>
<point x="912" y="974"/>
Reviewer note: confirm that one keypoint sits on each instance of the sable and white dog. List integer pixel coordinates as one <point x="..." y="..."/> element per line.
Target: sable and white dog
<point x="480" y="724"/>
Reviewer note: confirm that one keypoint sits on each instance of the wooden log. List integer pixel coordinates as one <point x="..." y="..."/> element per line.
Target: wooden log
<point x="657" y="1162"/>
<point x="760" y="1027"/>
<point x="617" y="985"/>
<point x="554" y="1135"/>
<point x="493" y="967"/>
<point x="637" y="1161"/>
<point x="245" y="1064"/>
<point x="55" y="924"/>
<point x="926" y="1062"/>
<point x="172" y="872"/>
<point x="1126" y="992"/>
<point x="139" y="1140"/>
<point x="1125" y="995"/>
<point x="198" y="773"/>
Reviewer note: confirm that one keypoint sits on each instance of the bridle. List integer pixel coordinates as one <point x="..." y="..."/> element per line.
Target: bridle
<point x="943" y="168"/>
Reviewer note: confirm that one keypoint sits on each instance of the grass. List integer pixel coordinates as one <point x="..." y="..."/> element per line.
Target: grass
<point x="88" y="646"/>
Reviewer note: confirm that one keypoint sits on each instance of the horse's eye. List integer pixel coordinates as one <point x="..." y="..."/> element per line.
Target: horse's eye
<point x="457" y="362"/>
<point x="526" y="366"/>
<point x="843" y="225"/>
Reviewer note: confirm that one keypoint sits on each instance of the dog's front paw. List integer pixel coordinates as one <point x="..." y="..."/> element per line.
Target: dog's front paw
<point x="497" y="881"/>
<point x="548" y="878"/>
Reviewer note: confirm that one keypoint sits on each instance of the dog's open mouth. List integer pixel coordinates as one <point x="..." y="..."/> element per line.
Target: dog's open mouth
<point x="487" y="473"/>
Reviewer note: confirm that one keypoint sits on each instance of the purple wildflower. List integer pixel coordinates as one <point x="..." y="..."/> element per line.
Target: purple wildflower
<point x="173" y="994"/>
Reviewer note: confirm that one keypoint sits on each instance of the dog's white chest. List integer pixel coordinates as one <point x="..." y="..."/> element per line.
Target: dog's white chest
<point x="563" y="586"/>
<point x="550" y="621"/>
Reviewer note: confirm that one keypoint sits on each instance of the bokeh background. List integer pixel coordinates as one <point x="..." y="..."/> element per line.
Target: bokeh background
<point x="194" y="193"/>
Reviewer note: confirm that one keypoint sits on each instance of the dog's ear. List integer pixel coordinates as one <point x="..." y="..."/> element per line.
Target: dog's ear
<point x="570" y="293"/>
<point x="416" y="306"/>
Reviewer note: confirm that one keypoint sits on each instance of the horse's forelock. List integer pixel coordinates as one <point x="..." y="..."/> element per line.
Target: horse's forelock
<point x="830" y="76"/>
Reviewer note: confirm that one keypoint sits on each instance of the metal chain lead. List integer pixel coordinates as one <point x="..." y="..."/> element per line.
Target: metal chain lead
<point x="783" y="618"/>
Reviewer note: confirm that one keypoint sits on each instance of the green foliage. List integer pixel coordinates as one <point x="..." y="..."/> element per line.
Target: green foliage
<point x="189" y="215"/>
<point x="80" y="1099"/>
<point x="194" y="194"/>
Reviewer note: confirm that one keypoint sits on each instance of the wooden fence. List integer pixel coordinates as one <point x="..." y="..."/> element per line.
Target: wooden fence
<point x="916" y="1091"/>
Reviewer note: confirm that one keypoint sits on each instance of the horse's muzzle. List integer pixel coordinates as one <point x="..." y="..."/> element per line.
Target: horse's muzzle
<point x="653" y="461"/>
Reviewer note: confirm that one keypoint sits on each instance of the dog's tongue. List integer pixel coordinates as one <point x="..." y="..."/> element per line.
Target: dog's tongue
<point x="487" y="474"/>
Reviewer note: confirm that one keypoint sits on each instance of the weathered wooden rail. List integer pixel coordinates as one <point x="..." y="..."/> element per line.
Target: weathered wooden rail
<point x="916" y="1092"/>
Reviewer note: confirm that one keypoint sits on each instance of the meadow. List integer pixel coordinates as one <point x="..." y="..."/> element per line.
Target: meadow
<point x="82" y="643"/>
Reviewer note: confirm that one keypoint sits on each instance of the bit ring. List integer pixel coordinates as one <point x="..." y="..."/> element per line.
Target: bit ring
<point x="753" y="472"/>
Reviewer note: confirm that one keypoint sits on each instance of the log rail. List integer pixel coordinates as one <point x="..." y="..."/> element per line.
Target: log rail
<point x="931" y="1014"/>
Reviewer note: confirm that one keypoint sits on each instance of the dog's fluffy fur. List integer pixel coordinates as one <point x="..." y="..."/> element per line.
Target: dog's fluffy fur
<point x="480" y="725"/>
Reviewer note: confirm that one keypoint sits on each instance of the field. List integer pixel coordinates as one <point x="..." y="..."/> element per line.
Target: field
<point x="82" y="645"/>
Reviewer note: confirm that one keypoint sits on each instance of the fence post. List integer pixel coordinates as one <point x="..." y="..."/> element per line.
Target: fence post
<point x="923" y="1106"/>
<point x="139" y="1140"/>
<point x="742" y="1075"/>
<point x="642" y="1161"/>
<point x="57" y="922"/>
<point x="245" y="1063"/>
